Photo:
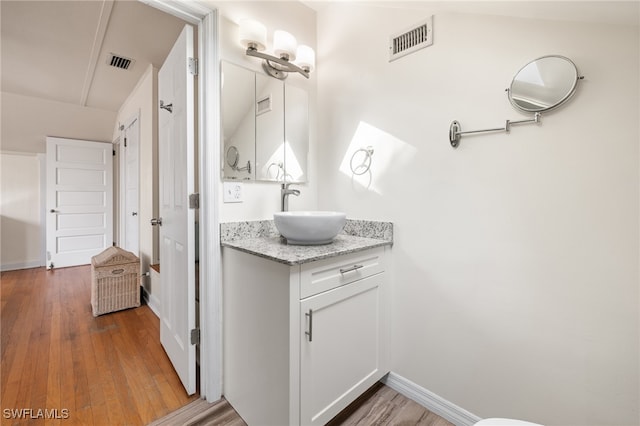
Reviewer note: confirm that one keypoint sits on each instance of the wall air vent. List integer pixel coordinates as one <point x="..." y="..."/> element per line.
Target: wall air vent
<point x="263" y="105"/>
<point x="408" y="41"/>
<point x="119" y="61"/>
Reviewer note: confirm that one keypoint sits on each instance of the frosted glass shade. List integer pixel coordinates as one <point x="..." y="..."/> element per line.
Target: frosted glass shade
<point x="284" y="45"/>
<point x="253" y="33"/>
<point x="306" y="58"/>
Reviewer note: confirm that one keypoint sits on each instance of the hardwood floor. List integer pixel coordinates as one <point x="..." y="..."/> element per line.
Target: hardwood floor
<point x="379" y="406"/>
<point x="109" y="370"/>
<point x="201" y="413"/>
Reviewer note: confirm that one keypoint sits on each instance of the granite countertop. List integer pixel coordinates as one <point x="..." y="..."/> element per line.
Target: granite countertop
<point x="261" y="238"/>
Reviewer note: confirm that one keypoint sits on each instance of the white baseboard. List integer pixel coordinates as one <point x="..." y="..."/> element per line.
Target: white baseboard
<point x="152" y="302"/>
<point x="21" y="265"/>
<point x="440" y="406"/>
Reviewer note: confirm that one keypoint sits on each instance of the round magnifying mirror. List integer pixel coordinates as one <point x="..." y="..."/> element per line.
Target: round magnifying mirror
<point x="544" y="84"/>
<point x="232" y="156"/>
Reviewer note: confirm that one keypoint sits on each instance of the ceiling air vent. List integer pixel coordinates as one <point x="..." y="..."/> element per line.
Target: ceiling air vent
<point x="408" y="41"/>
<point x="119" y="61"/>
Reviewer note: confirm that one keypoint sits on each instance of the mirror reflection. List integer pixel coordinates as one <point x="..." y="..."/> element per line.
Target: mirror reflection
<point x="544" y="84"/>
<point x="296" y="145"/>
<point x="233" y="155"/>
<point x="238" y="121"/>
<point x="265" y="125"/>
<point x="269" y="128"/>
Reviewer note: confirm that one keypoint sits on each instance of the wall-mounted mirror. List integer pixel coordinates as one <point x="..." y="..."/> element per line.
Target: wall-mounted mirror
<point x="541" y="85"/>
<point x="238" y="122"/>
<point x="544" y="84"/>
<point x="296" y="130"/>
<point x="269" y="128"/>
<point x="265" y="125"/>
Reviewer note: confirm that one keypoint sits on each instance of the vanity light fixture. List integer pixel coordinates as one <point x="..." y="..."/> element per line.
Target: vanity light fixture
<point x="288" y="56"/>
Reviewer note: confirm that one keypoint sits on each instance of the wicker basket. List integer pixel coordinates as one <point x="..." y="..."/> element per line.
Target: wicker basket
<point x="115" y="281"/>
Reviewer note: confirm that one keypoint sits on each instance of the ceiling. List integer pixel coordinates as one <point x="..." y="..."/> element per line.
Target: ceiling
<point x="58" y="50"/>
<point x="624" y="12"/>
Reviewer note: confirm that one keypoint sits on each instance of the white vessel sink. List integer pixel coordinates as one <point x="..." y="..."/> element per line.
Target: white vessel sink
<point x="309" y="227"/>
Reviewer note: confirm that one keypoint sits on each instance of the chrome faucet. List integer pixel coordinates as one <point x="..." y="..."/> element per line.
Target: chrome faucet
<point x="284" y="196"/>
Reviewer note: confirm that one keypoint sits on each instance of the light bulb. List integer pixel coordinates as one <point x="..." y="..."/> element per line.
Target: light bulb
<point x="284" y="45"/>
<point x="253" y="34"/>
<point x="306" y="58"/>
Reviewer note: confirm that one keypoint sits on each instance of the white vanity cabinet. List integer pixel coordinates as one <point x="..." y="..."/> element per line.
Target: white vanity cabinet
<point x="302" y="342"/>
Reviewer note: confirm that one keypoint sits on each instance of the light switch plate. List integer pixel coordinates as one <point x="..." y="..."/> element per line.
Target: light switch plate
<point x="232" y="192"/>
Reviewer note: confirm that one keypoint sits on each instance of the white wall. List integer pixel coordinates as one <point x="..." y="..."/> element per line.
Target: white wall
<point x="143" y="101"/>
<point x="27" y="121"/>
<point x="20" y="210"/>
<point x="261" y="200"/>
<point x="516" y="256"/>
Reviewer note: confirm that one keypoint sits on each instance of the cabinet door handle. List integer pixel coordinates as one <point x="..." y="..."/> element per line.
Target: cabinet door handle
<point x="353" y="268"/>
<point x="310" y="332"/>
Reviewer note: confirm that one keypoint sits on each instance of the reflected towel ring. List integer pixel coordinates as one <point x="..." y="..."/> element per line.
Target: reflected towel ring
<point x="281" y="174"/>
<point x="365" y="164"/>
<point x="279" y="169"/>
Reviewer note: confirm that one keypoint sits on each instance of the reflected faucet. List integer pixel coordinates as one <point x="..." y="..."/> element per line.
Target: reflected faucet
<point x="284" y="196"/>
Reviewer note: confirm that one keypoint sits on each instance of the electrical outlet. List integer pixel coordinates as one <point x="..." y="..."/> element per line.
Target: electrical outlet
<point x="232" y="192"/>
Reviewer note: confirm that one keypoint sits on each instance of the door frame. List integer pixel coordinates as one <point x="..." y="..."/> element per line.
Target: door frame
<point x="42" y="158"/>
<point x="122" y="180"/>
<point x="208" y="142"/>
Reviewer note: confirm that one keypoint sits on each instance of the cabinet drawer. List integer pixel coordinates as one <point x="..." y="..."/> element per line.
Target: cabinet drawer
<point x="317" y="277"/>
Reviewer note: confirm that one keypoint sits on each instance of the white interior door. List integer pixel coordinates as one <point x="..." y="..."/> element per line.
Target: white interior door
<point x="177" y="238"/>
<point x="130" y="235"/>
<point x="79" y="200"/>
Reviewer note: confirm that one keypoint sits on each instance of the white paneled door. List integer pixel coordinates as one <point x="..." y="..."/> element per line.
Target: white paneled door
<point x="130" y="235"/>
<point x="79" y="200"/>
<point x="176" y="140"/>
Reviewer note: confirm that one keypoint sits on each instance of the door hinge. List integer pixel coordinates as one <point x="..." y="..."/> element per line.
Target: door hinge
<point x="195" y="336"/>
<point x="194" y="201"/>
<point x="114" y="152"/>
<point x="125" y="142"/>
<point x="193" y="66"/>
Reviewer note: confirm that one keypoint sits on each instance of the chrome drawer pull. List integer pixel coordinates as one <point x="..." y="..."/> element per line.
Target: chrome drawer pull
<point x="310" y="332"/>
<point x="353" y="268"/>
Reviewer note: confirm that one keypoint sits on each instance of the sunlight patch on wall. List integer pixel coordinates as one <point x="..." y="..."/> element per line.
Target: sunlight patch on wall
<point x="274" y="167"/>
<point x="388" y="151"/>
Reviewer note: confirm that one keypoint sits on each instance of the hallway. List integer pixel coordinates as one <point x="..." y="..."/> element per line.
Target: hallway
<point x="57" y="357"/>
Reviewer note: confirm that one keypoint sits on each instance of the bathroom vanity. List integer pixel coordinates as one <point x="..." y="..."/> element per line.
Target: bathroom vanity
<point x="305" y="327"/>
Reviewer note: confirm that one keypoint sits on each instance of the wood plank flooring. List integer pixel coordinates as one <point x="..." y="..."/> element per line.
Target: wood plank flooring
<point x="381" y="405"/>
<point x="109" y="370"/>
<point x="201" y="413"/>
